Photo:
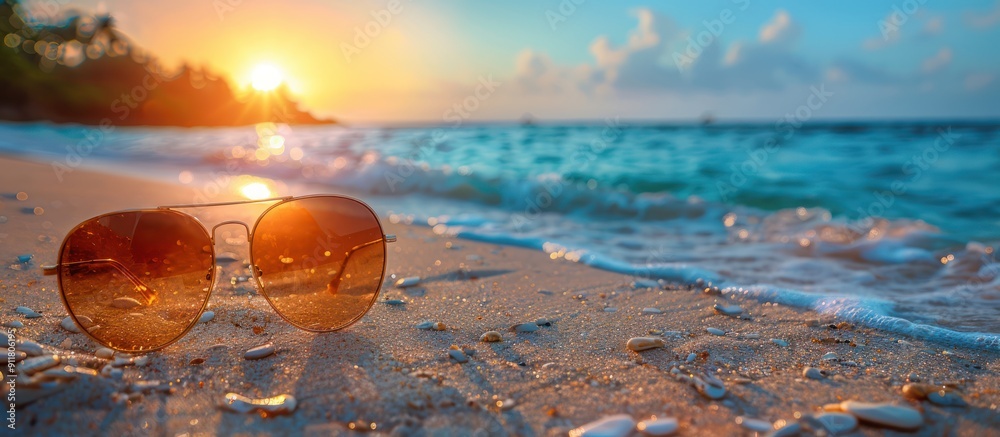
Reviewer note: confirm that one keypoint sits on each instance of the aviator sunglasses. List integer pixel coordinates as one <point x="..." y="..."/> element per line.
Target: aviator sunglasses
<point x="138" y="280"/>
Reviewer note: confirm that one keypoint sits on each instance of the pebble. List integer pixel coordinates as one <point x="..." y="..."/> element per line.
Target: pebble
<point x="142" y="361"/>
<point x="658" y="427"/>
<point x="281" y="404"/>
<point x="394" y="302"/>
<point x="651" y="311"/>
<point x="31" y="348"/>
<point x="104" y="353"/>
<point x="913" y="377"/>
<point x="691" y="357"/>
<point x="789" y="430"/>
<point x="644" y="343"/>
<point x="710" y="387"/>
<point x="34" y="365"/>
<point x="610" y="309"/>
<point x="125" y="303"/>
<point x="426" y="324"/>
<point x="813" y="373"/>
<point x="438" y="326"/>
<point x="524" y="327"/>
<point x="829" y="356"/>
<point x="27" y="312"/>
<point x="779" y="342"/>
<point x="458" y="355"/>
<point x="67" y="343"/>
<point x="757" y="425"/>
<point x="69" y="325"/>
<point x="543" y="322"/>
<point x="24" y="258"/>
<point x="545" y="292"/>
<point x="619" y="425"/>
<point x="645" y="283"/>
<point x="889" y="415"/>
<point x="490" y="337"/>
<point x="206" y="317"/>
<point x="837" y="423"/>
<point x="715" y="331"/>
<point x="14" y="324"/>
<point x="935" y="394"/>
<point x="727" y="310"/>
<point x="262" y="351"/>
<point x="408" y="282"/>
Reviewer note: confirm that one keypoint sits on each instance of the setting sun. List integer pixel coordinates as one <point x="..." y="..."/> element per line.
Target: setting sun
<point x="265" y="77"/>
<point x="256" y="191"/>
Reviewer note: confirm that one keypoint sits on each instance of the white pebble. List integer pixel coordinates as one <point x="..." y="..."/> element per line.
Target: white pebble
<point x="837" y="423"/>
<point x="262" y="351"/>
<point x="651" y="311"/>
<point x="27" y="312"/>
<point x="206" y="317"/>
<point x="753" y="424"/>
<point x="281" y="404"/>
<point x="408" y="282"/>
<point x="895" y="416"/>
<point x="619" y="425"/>
<point x="69" y="325"/>
<point x="658" y="427"/>
<point x="638" y="344"/>
<point x="715" y="331"/>
<point x="104" y="353"/>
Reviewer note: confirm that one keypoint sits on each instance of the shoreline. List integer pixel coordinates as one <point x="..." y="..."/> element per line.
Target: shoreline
<point x="385" y="370"/>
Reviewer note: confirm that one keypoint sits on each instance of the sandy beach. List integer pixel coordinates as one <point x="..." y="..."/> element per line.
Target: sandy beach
<point x="383" y="375"/>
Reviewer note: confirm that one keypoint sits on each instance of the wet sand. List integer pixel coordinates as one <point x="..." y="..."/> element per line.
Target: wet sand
<point x="386" y="374"/>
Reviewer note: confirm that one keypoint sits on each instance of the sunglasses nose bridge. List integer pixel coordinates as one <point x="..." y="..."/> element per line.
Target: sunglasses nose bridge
<point x="231" y="222"/>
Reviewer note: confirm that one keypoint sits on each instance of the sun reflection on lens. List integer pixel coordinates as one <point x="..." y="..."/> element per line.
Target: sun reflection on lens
<point x="256" y="191"/>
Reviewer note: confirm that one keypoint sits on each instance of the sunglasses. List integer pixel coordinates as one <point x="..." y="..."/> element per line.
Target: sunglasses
<point x="139" y="280"/>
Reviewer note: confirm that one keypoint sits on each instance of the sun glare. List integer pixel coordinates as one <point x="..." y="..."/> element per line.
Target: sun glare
<point x="256" y="191"/>
<point x="265" y="77"/>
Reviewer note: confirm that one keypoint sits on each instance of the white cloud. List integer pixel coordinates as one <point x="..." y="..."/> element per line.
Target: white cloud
<point x="780" y="29"/>
<point x="940" y="60"/>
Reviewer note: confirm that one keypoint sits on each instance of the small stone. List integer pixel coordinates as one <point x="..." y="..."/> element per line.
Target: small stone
<point x="756" y="425"/>
<point x="913" y="377"/>
<point x="888" y="415"/>
<point x="141" y="361"/>
<point x="27" y="312"/>
<point x="658" y="427"/>
<point x="206" y="317"/>
<point x="524" y="327"/>
<point x="438" y="326"/>
<point x="619" y="425"/>
<point x="34" y="365"/>
<point x="837" y="423"/>
<point x="31" y="348"/>
<point x="70" y="325"/>
<point x="408" y="282"/>
<point x="491" y="337"/>
<point x="829" y="356"/>
<point x="426" y="324"/>
<point x="125" y="303"/>
<point x="790" y="430"/>
<point x="813" y="373"/>
<point x="104" y="353"/>
<point x="691" y="357"/>
<point x="281" y="404"/>
<point x="638" y="344"/>
<point x="394" y="302"/>
<point x="651" y="311"/>
<point x="545" y="292"/>
<point x="543" y="322"/>
<point x="779" y="342"/>
<point x="610" y="309"/>
<point x="24" y="258"/>
<point x="727" y="310"/>
<point x="715" y="331"/>
<point x="67" y="343"/>
<point x="458" y="355"/>
<point x="14" y="324"/>
<point x="262" y="351"/>
<point x="935" y="394"/>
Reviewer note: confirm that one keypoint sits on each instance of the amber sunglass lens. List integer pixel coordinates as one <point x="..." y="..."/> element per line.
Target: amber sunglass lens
<point x="319" y="260"/>
<point x="137" y="280"/>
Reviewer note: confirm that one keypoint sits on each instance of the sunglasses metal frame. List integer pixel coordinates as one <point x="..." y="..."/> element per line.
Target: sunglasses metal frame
<point x="54" y="269"/>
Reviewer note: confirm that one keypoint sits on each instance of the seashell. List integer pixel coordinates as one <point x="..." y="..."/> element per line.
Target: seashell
<point x="638" y="344"/>
<point x="281" y="404"/>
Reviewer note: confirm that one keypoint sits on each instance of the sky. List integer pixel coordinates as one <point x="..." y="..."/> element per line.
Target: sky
<point x="451" y="62"/>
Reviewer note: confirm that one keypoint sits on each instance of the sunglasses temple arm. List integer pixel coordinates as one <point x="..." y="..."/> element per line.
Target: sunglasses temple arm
<point x="350" y="253"/>
<point x="142" y="288"/>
